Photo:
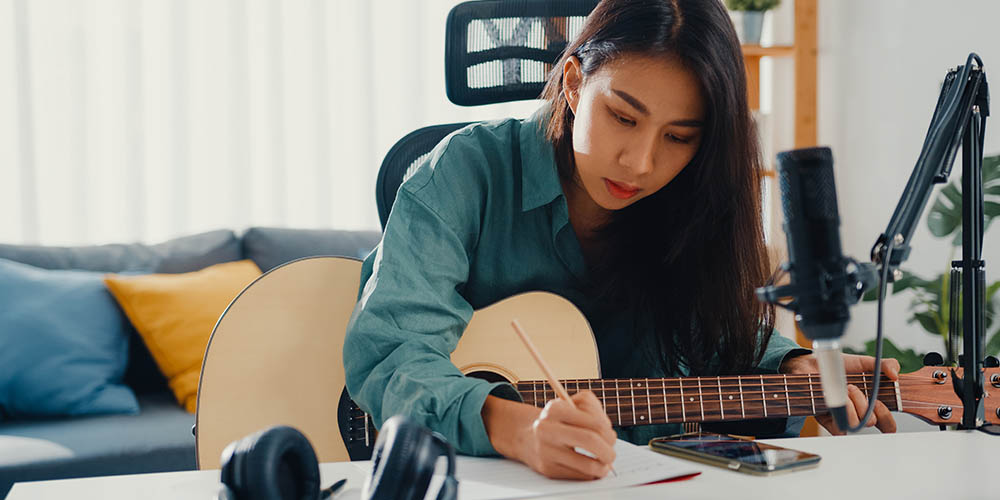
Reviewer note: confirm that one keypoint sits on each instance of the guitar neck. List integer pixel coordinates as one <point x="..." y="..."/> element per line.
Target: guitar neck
<point x="643" y="401"/>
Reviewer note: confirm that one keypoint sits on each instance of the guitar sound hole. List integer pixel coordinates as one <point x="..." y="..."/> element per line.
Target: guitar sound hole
<point x="488" y="376"/>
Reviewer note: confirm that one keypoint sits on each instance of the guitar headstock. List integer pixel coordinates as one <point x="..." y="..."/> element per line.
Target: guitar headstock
<point x="928" y="393"/>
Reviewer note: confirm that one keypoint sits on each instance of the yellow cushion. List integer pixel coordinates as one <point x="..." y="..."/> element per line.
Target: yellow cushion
<point x="176" y="313"/>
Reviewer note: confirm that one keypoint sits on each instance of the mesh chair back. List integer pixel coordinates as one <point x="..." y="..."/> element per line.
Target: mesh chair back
<point x="402" y="160"/>
<point x="495" y="51"/>
<point x="502" y="50"/>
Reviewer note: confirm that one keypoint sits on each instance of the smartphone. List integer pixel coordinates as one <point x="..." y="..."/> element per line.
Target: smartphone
<point x="735" y="453"/>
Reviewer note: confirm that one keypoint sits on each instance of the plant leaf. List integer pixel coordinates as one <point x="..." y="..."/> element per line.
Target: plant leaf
<point x="945" y="216"/>
<point x="929" y="321"/>
<point x="993" y="346"/>
<point x="991" y="209"/>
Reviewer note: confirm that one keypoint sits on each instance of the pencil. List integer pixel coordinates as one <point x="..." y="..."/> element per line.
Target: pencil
<point x="553" y="381"/>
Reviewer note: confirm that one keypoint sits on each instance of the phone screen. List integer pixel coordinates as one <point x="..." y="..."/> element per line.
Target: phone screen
<point x="734" y="453"/>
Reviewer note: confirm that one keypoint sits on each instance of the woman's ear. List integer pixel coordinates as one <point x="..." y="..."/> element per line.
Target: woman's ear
<point x="572" y="80"/>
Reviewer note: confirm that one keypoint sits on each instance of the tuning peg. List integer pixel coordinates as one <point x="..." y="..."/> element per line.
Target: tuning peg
<point x="991" y="362"/>
<point x="933" y="359"/>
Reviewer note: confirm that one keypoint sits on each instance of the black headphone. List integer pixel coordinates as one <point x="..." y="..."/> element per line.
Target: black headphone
<point x="403" y="462"/>
<point x="276" y="463"/>
<point x="279" y="463"/>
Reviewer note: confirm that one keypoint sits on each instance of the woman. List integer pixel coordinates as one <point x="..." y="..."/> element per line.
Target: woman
<point x="633" y="192"/>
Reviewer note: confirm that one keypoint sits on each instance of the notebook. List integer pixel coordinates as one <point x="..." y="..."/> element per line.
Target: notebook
<point x="498" y="478"/>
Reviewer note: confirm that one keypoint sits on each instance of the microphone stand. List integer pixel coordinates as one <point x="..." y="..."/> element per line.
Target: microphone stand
<point x="959" y="119"/>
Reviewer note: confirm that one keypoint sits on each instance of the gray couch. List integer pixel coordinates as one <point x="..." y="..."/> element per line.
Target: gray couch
<point x="159" y="439"/>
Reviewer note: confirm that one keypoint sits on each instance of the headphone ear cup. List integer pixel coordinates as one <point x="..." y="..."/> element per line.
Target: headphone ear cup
<point x="278" y="463"/>
<point x="228" y="461"/>
<point x="400" y="469"/>
<point x="233" y="459"/>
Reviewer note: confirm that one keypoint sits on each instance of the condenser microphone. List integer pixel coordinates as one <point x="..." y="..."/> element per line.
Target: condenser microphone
<point x="822" y="286"/>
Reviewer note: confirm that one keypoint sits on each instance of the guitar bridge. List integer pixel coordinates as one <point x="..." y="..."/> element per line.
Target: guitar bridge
<point x="356" y="428"/>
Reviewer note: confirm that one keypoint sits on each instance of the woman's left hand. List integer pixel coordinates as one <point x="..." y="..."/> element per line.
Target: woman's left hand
<point x="857" y="402"/>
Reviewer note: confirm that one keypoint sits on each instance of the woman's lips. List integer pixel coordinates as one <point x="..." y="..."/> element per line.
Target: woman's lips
<point x="620" y="191"/>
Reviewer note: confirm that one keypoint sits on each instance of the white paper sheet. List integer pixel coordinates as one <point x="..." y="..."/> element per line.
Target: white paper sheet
<point x="498" y="478"/>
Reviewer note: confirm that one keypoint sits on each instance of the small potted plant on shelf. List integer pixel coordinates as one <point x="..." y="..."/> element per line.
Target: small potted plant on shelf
<point x="753" y="17"/>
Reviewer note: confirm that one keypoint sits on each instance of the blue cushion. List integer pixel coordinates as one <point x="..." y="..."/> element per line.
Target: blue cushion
<point x="180" y="255"/>
<point x="63" y="344"/>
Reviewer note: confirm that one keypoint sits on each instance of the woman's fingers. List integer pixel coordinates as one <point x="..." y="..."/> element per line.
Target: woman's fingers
<point x="570" y="437"/>
<point x="885" y="421"/>
<point x="574" y="440"/>
<point x="564" y="463"/>
<point x="860" y="403"/>
<point x="586" y="412"/>
<point x="852" y="411"/>
<point x="854" y="363"/>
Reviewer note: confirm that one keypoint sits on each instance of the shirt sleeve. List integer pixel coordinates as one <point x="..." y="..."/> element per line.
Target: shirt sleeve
<point x="410" y="316"/>
<point x="779" y="348"/>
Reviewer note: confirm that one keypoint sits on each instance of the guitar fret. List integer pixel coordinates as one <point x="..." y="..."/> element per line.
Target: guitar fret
<point x="722" y="406"/>
<point x="743" y="410"/>
<point x="631" y="391"/>
<point x="788" y="403"/>
<point x="864" y="384"/>
<point x="701" y="399"/>
<point x="649" y="404"/>
<point x="763" y="396"/>
<point x="666" y="413"/>
<point x="604" y="397"/>
<point x="680" y="385"/>
<point x="812" y="398"/>
<point x="619" y="406"/>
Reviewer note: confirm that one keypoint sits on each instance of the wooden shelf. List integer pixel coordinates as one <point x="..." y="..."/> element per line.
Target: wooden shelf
<point x="804" y="54"/>
<point x="772" y="51"/>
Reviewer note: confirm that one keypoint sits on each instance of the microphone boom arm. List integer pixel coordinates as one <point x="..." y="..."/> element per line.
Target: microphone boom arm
<point x="959" y="119"/>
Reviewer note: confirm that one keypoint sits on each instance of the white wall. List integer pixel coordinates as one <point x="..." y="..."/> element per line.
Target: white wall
<point x="881" y="64"/>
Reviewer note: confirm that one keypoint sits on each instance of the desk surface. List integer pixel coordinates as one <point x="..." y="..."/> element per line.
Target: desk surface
<point x="932" y="465"/>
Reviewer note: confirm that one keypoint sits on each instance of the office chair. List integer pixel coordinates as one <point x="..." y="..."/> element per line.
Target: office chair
<point x="495" y="51"/>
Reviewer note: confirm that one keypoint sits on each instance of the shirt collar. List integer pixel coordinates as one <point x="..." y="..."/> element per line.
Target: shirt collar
<point x="539" y="175"/>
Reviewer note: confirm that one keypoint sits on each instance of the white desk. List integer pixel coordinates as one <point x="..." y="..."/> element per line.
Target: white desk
<point x="933" y="465"/>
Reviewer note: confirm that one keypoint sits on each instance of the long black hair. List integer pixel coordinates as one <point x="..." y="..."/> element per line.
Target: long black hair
<point x="690" y="255"/>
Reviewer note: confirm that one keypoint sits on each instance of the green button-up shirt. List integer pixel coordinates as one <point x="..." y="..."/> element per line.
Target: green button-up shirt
<point x="483" y="218"/>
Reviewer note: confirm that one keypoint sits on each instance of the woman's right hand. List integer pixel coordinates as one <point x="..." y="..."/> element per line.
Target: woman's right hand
<point x="546" y="440"/>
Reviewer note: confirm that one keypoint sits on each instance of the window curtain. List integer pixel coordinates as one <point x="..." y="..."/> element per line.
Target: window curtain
<point x="142" y="120"/>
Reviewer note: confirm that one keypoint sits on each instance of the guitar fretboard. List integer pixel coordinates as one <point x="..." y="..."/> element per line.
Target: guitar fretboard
<point x="707" y="399"/>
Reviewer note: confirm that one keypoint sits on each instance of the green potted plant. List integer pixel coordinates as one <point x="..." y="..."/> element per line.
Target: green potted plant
<point x="753" y="16"/>
<point x="930" y="304"/>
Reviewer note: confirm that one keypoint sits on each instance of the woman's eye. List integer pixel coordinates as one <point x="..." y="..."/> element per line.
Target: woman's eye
<point x="679" y="140"/>
<point x="624" y="121"/>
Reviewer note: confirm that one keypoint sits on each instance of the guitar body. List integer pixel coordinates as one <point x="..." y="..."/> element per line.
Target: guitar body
<point x="275" y="358"/>
<point x="490" y="349"/>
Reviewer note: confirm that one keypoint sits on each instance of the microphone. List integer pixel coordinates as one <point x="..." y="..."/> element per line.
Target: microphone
<point x="822" y="285"/>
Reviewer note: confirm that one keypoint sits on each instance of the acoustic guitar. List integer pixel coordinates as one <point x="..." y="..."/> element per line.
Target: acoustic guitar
<point x="296" y="304"/>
